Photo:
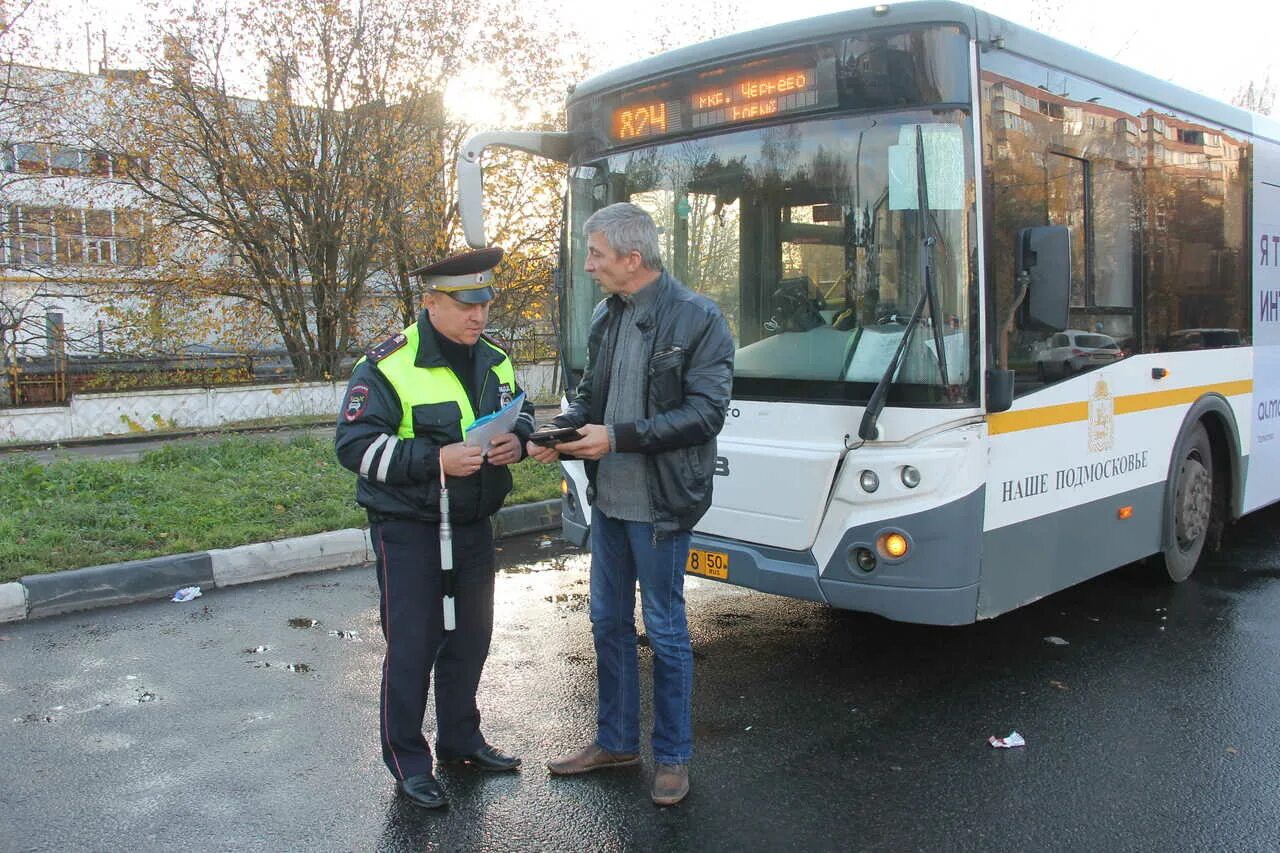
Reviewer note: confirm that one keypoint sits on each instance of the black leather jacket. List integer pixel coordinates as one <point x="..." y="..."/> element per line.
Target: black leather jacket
<point x="687" y="390"/>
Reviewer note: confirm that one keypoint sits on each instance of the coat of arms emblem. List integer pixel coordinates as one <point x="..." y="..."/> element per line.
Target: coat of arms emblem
<point x="1102" y="418"/>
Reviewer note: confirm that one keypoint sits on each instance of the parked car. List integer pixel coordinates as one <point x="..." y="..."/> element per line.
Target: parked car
<point x="1074" y="351"/>
<point x="1185" y="339"/>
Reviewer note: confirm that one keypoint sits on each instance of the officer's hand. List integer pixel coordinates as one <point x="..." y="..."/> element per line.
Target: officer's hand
<point x="541" y="452"/>
<point x="460" y="460"/>
<point x="504" y="450"/>
<point x="593" y="444"/>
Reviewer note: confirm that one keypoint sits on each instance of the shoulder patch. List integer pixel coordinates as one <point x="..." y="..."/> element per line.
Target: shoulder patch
<point x="357" y="399"/>
<point x="387" y="347"/>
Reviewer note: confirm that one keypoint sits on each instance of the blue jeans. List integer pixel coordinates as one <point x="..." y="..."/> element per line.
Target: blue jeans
<point x="623" y="552"/>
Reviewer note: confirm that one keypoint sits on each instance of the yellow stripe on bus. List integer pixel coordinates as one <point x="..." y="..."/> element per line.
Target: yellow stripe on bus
<point x="1065" y="413"/>
<point x="1179" y="396"/>
<point x="1034" y="418"/>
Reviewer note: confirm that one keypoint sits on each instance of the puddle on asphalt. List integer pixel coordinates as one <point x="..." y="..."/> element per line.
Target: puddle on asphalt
<point x="572" y="601"/>
<point x="554" y="563"/>
<point x="288" y="667"/>
<point x="303" y="622"/>
<point x="34" y="718"/>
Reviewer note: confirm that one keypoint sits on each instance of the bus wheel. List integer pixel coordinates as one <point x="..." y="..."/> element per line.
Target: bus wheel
<point x="1187" y="516"/>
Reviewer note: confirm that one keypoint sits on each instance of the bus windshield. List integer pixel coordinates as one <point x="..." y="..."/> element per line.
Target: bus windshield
<point x="810" y="238"/>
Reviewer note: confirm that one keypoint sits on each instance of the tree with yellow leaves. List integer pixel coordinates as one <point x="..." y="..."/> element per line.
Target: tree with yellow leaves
<point x="295" y="161"/>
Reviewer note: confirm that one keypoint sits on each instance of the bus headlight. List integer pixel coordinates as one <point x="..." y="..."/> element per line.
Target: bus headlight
<point x="869" y="480"/>
<point x="864" y="559"/>
<point x="910" y="476"/>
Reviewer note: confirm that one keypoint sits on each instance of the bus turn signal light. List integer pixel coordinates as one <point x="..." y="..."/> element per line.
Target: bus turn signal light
<point x="893" y="545"/>
<point x="1124" y="513"/>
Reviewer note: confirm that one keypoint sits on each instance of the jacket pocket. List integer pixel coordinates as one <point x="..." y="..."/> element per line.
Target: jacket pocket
<point x="439" y="422"/>
<point x="666" y="378"/>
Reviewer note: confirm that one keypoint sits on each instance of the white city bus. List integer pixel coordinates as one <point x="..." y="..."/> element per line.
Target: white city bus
<point x="1007" y="313"/>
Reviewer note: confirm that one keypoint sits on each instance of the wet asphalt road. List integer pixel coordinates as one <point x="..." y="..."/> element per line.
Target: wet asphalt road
<point x="155" y="727"/>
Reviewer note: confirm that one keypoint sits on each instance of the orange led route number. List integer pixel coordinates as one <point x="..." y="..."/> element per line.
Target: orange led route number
<point x="747" y="98"/>
<point x="640" y="120"/>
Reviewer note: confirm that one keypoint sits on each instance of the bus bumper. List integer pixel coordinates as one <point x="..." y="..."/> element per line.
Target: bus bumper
<point x="574" y="531"/>
<point x="906" y="604"/>
<point x="789" y="573"/>
<point x="772" y="570"/>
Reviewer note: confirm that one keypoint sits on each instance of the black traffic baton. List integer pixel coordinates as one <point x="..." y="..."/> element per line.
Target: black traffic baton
<point x="446" y="554"/>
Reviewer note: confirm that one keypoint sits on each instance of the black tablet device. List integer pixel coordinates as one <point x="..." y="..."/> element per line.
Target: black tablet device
<point x="555" y="436"/>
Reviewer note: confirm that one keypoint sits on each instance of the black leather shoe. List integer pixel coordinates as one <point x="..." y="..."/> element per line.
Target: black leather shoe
<point x="488" y="758"/>
<point x="423" y="791"/>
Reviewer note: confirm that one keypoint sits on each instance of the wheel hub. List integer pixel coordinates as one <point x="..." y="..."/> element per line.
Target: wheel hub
<point x="1193" y="502"/>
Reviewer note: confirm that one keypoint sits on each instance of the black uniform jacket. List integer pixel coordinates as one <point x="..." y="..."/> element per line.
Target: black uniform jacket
<point x="407" y="484"/>
<point x="687" y="388"/>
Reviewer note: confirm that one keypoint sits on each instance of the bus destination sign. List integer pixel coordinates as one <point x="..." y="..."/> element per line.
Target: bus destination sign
<point x="720" y="97"/>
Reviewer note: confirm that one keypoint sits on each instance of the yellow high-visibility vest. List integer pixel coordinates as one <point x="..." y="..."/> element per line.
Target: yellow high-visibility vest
<point x="419" y="386"/>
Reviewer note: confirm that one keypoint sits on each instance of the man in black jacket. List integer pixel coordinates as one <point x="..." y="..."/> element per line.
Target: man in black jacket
<point x="650" y="403"/>
<point x="401" y="429"/>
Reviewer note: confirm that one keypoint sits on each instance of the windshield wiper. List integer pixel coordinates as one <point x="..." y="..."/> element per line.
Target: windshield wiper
<point x="875" y="405"/>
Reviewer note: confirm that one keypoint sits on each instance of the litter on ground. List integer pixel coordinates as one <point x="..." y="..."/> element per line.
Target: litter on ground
<point x="1009" y="741"/>
<point x="187" y="593"/>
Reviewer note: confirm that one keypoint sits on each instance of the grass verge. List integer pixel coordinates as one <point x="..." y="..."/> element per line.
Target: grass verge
<point x="182" y="498"/>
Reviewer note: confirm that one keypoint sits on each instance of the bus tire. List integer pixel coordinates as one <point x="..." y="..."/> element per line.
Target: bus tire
<point x="1189" y="507"/>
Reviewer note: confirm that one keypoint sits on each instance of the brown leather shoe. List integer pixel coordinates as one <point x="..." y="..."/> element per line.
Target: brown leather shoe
<point x="593" y="757"/>
<point x="670" y="784"/>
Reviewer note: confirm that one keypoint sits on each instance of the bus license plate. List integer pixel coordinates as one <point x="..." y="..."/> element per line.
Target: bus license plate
<point x="710" y="564"/>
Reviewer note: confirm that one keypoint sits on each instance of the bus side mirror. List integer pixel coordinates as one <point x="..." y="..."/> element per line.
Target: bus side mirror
<point x="999" y="390"/>
<point x="1044" y="264"/>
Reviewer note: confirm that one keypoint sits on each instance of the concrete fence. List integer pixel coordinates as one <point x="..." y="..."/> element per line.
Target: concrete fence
<point x="92" y="415"/>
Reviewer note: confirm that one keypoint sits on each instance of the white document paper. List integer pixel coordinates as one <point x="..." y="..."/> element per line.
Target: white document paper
<point x="489" y="427"/>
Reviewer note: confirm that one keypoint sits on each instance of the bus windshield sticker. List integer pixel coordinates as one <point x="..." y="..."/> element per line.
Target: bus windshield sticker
<point x="943" y="164"/>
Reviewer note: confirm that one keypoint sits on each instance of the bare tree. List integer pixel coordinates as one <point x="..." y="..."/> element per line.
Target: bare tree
<point x="1258" y="97"/>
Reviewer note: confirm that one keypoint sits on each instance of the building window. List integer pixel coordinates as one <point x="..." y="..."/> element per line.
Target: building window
<point x="41" y="236"/>
<point x="37" y="158"/>
<point x="31" y="157"/>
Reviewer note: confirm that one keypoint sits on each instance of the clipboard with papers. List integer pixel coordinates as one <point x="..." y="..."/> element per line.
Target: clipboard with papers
<point x="484" y="430"/>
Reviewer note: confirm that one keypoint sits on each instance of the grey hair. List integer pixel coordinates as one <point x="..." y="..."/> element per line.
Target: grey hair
<point x="627" y="228"/>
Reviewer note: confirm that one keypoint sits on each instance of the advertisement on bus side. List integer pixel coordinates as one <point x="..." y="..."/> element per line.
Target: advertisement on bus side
<point x="1264" y="459"/>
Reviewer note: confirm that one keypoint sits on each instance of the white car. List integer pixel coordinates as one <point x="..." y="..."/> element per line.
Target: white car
<point x="1075" y="351"/>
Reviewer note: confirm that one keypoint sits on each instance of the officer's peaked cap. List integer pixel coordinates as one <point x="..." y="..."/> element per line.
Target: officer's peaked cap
<point x="465" y="277"/>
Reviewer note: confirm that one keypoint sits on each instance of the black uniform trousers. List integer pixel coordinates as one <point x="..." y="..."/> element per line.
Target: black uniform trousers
<point x="412" y="615"/>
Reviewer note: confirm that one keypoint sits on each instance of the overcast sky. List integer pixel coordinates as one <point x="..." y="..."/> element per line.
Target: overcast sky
<point x="1214" y="48"/>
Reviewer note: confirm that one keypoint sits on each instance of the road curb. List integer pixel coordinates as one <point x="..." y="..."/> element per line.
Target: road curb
<point x="35" y="596"/>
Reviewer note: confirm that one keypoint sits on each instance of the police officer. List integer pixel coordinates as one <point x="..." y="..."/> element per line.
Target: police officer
<point x="407" y="407"/>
